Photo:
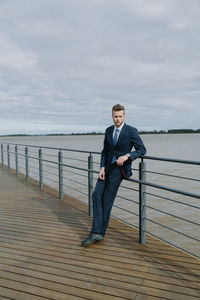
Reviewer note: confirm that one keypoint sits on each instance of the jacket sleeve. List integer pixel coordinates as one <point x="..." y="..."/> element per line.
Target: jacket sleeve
<point x="137" y="143"/>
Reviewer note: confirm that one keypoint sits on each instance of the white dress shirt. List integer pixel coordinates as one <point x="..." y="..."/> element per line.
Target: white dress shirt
<point x="119" y="128"/>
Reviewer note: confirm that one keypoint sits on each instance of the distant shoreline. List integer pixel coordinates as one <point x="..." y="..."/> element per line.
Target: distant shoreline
<point x="170" y="131"/>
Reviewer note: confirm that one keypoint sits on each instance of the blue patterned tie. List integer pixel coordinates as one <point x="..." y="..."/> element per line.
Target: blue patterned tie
<point x="115" y="136"/>
<point x="115" y="142"/>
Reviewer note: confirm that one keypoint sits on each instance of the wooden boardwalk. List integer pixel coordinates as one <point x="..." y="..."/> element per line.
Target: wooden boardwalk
<point x="41" y="256"/>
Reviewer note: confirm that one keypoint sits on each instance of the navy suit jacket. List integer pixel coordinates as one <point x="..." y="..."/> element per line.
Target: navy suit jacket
<point x="128" y="138"/>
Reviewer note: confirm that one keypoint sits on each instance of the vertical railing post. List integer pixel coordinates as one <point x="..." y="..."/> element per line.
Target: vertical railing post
<point x="26" y="163"/>
<point x="2" y="162"/>
<point x="16" y="160"/>
<point x="60" y="171"/>
<point x="8" y="156"/>
<point x="142" y="203"/>
<point x="90" y="184"/>
<point x="40" y="169"/>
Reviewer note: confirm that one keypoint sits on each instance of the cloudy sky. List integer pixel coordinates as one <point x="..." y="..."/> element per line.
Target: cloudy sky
<point x="65" y="63"/>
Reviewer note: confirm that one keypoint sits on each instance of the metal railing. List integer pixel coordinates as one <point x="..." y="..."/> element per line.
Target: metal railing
<point x="76" y="175"/>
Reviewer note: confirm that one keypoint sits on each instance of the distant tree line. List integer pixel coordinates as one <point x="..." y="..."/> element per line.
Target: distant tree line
<point x="171" y="131"/>
<point x="141" y="132"/>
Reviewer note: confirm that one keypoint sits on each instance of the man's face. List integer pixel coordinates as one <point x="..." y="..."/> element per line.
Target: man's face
<point x="118" y="117"/>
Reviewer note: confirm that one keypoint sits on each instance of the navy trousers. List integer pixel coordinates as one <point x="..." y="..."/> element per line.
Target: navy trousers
<point x="103" y="199"/>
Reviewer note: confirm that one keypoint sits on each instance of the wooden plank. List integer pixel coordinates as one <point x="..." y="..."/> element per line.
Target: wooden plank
<point x="174" y="288"/>
<point x="41" y="256"/>
<point x="147" y="250"/>
<point x="67" y="286"/>
<point x="14" y="294"/>
<point x="146" y="297"/>
<point x="183" y="273"/>
<point x="126" y="260"/>
<point x="127" y="249"/>
<point x="133" y="277"/>
<point x="64" y="246"/>
<point x="149" y="291"/>
<point x="76" y="259"/>
<point x="30" y="291"/>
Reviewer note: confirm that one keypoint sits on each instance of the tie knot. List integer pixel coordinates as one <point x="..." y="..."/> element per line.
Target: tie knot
<point x="116" y="130"/>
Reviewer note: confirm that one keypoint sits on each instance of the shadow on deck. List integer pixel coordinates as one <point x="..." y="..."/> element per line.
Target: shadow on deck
<point x="41" y="256"/>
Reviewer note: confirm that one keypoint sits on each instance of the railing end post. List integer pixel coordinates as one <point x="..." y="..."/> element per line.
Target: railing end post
<point x="40" y="169"/>
<point x="27" y="163"/>
<point x="60" y="171"/>
<point x="16" y="160"/>
<point x="142" y="203"/>
<point x="90" y="184"/>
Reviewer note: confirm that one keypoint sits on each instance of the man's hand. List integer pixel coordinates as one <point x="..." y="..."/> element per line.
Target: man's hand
<point x="102" y="174"/>
<point x="120" y="161"/>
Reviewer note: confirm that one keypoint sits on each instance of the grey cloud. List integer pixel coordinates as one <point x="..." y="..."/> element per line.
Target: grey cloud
<point x="64" y="64"/>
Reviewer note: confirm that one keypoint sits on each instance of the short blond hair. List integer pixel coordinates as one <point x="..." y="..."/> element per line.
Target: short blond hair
<point x="118" y="107"/>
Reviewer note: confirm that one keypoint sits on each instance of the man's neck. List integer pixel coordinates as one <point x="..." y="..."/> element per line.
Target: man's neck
<point x="120" y="127"/>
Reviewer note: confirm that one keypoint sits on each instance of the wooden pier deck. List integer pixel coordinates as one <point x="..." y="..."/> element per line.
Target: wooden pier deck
<point x="41" y="256"/>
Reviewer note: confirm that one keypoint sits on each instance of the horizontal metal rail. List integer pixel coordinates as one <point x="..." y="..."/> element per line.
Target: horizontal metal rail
<point x="126" y="210"/>
<point x="74" y="181"/>
<point x="174" y="230"/>
<point x="130" y="200"/>
<point x="97" y="152"/>
<point x="173" y="200"/>
<point x="172" y="244"/>
<point x="165" y="188"/>
<point x="172" y="215"/>
<point x="53" y="148"/>
<point x="182" y="161"/>
<point x="126" y="222"/>
<point x="173" y="176"/>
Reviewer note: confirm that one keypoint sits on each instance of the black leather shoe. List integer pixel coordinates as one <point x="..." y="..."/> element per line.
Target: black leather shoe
<point x="92" y="238"/>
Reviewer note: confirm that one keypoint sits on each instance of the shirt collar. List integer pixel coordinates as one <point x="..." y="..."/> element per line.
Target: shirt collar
<point x="120" y="128"/>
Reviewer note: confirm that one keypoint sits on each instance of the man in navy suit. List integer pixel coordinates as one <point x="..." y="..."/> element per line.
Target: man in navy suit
<point x="116" y="159"/>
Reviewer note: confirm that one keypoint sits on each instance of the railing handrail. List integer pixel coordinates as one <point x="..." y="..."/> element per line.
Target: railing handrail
<point x="133" y="169"/>
<point x="183" y="161"/>
<point x="165" y="188"/>
<point x="173" y="160"/>
<point x="129" y="179"/>
<point x="53" y="148"/>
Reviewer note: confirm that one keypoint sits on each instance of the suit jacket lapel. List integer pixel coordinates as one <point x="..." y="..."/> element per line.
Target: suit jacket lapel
<point x="110" y="134"/>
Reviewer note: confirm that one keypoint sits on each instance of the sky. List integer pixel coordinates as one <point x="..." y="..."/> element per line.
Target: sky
<point x="65" y="63"/>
